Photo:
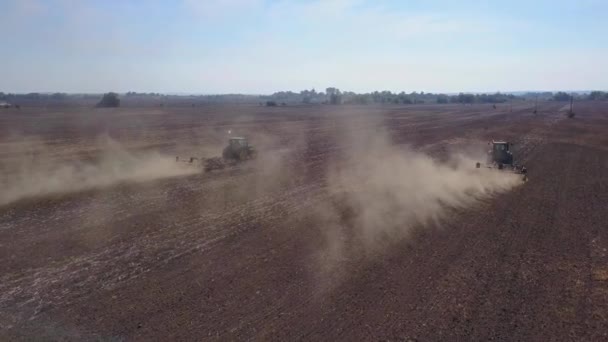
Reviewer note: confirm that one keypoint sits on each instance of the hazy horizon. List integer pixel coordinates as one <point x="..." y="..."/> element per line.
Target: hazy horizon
<point x="515" y="92"/>
<point x="259" y="46"/>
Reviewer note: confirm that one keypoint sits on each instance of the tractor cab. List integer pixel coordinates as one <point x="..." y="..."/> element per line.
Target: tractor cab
<point x="238" y="148"/>
<point x="501" y="158"/>
<point x="499" y="146"/>
<point x="501" y="153"/>
<point x="238" y="143"/>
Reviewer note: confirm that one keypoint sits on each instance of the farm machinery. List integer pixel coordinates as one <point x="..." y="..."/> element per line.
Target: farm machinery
<point x="500" y="157"/>
<point x="237" y="151"/>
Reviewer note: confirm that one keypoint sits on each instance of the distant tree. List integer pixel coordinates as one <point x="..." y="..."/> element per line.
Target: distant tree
<point x="331" y="90"/>
<point x="402" y="97"/>
<point x="493" y="98"/>
<point x="31" y="96"/>
<point x="335" y="99"/>
<point x="271" y="104"/>
<point x="561" y="96"/>
<point x="109" y="100"/>
<point x="598" y="95"/>
<point x="333" y="95"/>
<point x="466" y="98"/>
<point x="59" y="96"/>
<point x="442" y="99"/>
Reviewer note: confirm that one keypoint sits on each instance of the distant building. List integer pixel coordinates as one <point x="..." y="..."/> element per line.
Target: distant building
<point x="5" y="104"/>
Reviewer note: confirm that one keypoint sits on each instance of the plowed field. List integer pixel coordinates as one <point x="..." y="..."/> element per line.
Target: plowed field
<point x="104" y="237"/>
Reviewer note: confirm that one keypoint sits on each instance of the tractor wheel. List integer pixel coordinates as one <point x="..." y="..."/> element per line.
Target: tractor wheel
<point x="478" y="165"/>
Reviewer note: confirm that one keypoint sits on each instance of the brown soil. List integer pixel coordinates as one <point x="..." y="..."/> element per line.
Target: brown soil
<point x="241" y="255"/>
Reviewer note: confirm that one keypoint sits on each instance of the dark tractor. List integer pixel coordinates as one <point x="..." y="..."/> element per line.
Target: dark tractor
<point x="500" y="157"/>
<point x="238" y="149"/>
<point x="500" y="154"/>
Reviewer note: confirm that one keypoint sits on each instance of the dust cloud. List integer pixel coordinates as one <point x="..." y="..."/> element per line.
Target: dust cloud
<point x="381" y="192"/>
<point x="32" y="170"/>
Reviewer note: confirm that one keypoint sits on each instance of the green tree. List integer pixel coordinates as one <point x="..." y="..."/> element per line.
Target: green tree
<point x="598" y="95"/>
<point x="334" y="95"/>
<point x="561" y="96"/>
<point x="335" y="98"/>
<point x="442" y="99"/>
<point x="466" y="98"/>
<point x="109" y="100"/>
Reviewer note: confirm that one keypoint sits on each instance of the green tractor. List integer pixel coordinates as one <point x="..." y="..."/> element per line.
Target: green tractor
<point x="238" y="149"/>
<point x="500" y="157"/>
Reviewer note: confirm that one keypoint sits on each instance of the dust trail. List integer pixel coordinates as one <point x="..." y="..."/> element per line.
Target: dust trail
<point x="392" y="188"/>
<point x="383" y="191"/>
<point x="30" y="172"/>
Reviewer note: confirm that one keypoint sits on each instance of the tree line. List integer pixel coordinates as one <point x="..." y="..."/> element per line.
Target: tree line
<point x="336" y="96"/>
<point x="331" y="95"/>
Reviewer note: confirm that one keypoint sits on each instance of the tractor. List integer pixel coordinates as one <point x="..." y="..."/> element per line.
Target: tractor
<point x="238" y="150"/>
<point x="500" y="157"/>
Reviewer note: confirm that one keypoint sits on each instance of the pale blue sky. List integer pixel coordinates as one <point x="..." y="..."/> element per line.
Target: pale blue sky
<point x="262" y="46"/>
